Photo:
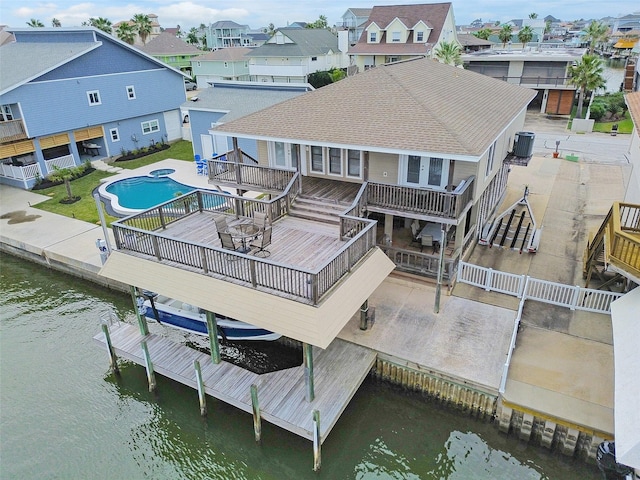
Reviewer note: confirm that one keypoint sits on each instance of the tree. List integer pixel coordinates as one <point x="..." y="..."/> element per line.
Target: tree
<point x="142" y="25"/>
<point x="203" y="41"/>
<point x="483" y="33"/>
<point x="449" y="53"/>
<point x="101" y="23"/>
<point x="270" y="29"/>
<point x="126" y="33"/>
<point x="192" y="36"/>
<point x="505" y="34"/>
<point x="525" y="35"/>
<point x="533" y="16"/>
<point x="35" y="23"/>
<point x="321" y="22"/>
<point x="587" y="76"/>
<point x="55" y="22"/>
<point x="597" y="32"/>
<point x="547" y="26"/>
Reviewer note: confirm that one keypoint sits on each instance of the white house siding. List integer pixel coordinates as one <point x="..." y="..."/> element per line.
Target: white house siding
<point x="379" y="163"/>
<point x="173" y="124"/>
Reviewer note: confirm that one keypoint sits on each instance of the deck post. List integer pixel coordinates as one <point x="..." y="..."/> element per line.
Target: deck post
<point x="201" y="392"/>
<point x="255" y="405"/>
<point x="316" y="441"/>
<point x="436" y="306"/>
<point x="113" y="360"/>
<point x="151" y="376"/>
<point x="142" y="322"/>
<point x="364" y="315"/>
<point x="308" y="370"/>
<point x="212" y="329"/>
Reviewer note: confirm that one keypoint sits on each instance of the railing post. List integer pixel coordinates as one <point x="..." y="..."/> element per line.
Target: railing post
<point x="488" y="280"/>
<point x="575" y="297"/>
<point x="252" y="273"/>
<point x="156" y="247"/>
<point x="200" y="203"/>
<point x="523" y="281"/>
<point x="161" y="217"/>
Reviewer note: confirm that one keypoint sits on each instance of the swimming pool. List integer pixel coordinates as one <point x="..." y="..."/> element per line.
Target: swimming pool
<point x="131" y="195"/>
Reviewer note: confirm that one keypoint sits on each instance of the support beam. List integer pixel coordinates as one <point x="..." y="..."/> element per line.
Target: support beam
<point x="142" y="322"/>
<point x="200" y="384"/>
<point x="317" y="444"/>
<point x="308" y="370"/>
<point x="443" y="237"/>
<point x="364" y="315"/>
<point x="212" y="329"/>
<point x="113" y="360"/>
<point x="255" y="405"/>
<point x="151" y="376"/>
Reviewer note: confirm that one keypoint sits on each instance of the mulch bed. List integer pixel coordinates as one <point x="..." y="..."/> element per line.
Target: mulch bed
<point x="45" y="183"/>
<point x="130" y="156"/>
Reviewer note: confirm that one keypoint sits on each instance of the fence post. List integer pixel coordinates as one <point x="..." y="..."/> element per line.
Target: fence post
<point x="488" y="280"/>
<point x="575" y="297"/>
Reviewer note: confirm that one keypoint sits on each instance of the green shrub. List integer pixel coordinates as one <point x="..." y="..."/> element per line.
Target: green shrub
<point x="597" y="111"/>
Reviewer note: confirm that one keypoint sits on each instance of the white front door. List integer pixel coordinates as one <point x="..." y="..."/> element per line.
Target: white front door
<point x="207" y="146"/>
<point x="283" y="155"/>
<point x="425" y="171"/>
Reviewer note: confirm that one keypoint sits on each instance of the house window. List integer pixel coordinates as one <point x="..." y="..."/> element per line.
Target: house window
<point x="314" y="59"/>
<point x="335" y="161"/>
<point x="226" y="64"/>
<point x="150" y="127"/>
<point x="94" y="97"/>
<point x="5" y="113"/>
<point x="435" y="171"/>
<point x="198" y="64"/>
<point x="353" y="163"/>
<point x="131" y="92"/>
<point x="114" y="134"/>
<point x="317" y="164"/>
<point x="490" y="157"/>
<point x="172" y="59"/>
<point x="419" y="36"/>
<point x="395" y="36"/>
<point x="373" y="37"/>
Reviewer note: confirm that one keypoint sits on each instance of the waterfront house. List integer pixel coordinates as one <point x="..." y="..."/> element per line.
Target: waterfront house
<point x="398" y="32"/>
<point x="69" y="95"/>
<point x="137" y="40"/>
<point x="353" y="21"/>
<point x="291" y="54"/>
<point x="172" y="50"/>
<point x="223" y="64"/>
<point x="227" y="33"/>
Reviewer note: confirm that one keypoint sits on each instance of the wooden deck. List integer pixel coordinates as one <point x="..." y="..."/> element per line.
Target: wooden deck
<point x="338" y="373"/>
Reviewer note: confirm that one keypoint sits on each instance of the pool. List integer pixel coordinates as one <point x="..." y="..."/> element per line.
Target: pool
<point x="131" y="195"/>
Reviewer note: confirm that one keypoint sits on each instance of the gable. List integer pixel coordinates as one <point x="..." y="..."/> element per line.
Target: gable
<point x="397" y="32"/>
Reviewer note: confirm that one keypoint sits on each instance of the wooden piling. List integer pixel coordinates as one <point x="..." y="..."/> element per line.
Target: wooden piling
<point x="257" y="425"/>
<point x="316" y="441"/>
<point x="364" y="315"/>
<point x="151" y="377"/>
<point x="308" y="371"/>
<point x="142" y="321"/>
<point x="200" y="384"/>
<point x="113" y="360"/>
<point x="212" y="329"/>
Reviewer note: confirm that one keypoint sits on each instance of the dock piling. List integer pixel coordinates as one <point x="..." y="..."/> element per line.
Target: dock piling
<point x="142" y="322"/>
<point x="212" y="329"/>
<point x="149" y="366"/>
<point x="257" y="425"/>
<point x="364" y="315"/>
<point x="316" y="441"/>
<point x="200" y="385"/>
<point x="308" y="371"/>
<point x="113" y="360"/>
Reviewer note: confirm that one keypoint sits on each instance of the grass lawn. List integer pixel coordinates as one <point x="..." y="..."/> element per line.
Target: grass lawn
<point x="624" y="126"/>
<point x="85" y="208"/>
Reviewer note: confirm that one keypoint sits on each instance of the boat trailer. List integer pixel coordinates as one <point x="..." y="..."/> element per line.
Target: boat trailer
<point x="515" y="228"/>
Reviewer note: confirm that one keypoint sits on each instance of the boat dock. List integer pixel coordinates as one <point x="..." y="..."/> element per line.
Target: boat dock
<point x="338" y="372"/>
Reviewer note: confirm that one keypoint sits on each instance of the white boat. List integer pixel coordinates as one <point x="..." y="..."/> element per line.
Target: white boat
<point x="183" y="316"/>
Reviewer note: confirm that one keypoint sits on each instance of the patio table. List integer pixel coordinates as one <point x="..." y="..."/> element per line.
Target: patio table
<point x="243" y="232"/>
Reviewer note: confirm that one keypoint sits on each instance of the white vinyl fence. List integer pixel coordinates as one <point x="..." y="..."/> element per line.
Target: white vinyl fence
<point x="66" y="161"/>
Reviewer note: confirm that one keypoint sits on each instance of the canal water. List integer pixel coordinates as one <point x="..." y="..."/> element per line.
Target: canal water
<point x="64" y="416"/>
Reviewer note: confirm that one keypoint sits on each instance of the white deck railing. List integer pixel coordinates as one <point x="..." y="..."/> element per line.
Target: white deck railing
<point x="67" y="161"/>
<point x="24" y="174"/>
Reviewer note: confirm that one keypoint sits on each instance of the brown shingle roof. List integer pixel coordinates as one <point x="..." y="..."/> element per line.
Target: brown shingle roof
<point x="230" y="54"/>
<point x="168" y="44"/>
<point x="416" y="106"/>
<point x="633" y="102"/>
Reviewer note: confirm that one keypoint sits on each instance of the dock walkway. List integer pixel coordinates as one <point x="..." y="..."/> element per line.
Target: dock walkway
<point x="338" y="373"/>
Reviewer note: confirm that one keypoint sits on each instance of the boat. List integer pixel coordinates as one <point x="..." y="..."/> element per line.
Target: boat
<point x="189" y="318"/>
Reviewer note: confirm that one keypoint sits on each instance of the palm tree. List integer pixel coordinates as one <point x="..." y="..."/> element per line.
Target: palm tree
<point x="142" y="25"/>
<point x="483" y="33"/>
<point x="533" y="16"/>
<point x="101" y="23"/>
<point x="586" y="75"/>
<point x="449" y="53"/>
<point x="505" y="34"/>
<point x="525" y="35"/>
<point x="192" y="36"/>
<point x="35" y="23"/>
<point x="596" y="33"/>
<point x="55" y="22"/>
<point x="126" y="33"/>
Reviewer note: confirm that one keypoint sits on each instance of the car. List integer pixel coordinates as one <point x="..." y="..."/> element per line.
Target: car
<point x="189" y="85"/>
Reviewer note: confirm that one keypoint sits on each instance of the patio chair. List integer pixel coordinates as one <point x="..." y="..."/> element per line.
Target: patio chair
<point x="221" y="223"/>
<point x="415" y="228"/>
<point x="227" y="241"/>
<point x="261" y="243"/>
<point x="260" y="221"/>
<point x="427" y="241"/>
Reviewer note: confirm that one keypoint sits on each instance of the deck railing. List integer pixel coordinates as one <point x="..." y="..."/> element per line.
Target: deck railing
<point x="142" y="234"/>
<point x="247" y="173"/>
<point x="349" y="219"/>
<point x="24" y="173"/>
<point x="12" y="130"/>
<point x="419" y="200"/>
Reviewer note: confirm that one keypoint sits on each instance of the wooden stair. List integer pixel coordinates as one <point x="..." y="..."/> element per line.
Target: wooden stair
<point x="319" y="210"/>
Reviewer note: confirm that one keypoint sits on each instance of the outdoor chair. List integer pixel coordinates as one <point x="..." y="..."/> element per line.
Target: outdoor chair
<point x="427" y="241"/>
<point x="415" y="228"/>
<point x="227" y="241"/>
<point x="221" y="223"/>
<point x="261" y="243"/>
<point x="260" y="220"/>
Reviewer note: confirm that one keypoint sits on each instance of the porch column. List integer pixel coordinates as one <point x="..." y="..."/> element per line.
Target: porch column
<point x="545" y="99"/>
<point x="307" y="351"/>
<point x="237" y="154"/>
<point x="388" y="226"/>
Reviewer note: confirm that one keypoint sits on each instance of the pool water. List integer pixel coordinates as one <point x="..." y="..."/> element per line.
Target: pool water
<point x="140" y="193"/>
<point x="162" y="172"/>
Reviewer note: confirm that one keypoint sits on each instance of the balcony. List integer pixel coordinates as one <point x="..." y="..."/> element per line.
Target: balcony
<point x="12" y="130"/>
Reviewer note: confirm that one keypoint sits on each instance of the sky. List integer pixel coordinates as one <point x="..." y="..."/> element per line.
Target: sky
<point x="260" y="13"/>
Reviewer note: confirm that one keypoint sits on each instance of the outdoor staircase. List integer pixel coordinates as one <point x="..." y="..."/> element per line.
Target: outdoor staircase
<point x="318" y="209"/>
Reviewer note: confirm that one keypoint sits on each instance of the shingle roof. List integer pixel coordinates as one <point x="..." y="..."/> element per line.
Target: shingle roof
<point x="230" y="54"/>
<point x="168" y="44"/>
<point x="307" y="42"/>
<point x="414" y="106"/>
<point x="433" y="14"/>
<point x="633" y="102"/>
<point x="227" y="24"/>
<point x="360" y="12"/>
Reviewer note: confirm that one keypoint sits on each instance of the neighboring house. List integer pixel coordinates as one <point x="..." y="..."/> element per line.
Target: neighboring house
<point x="155" y="29"/>
<point x="633" y="188"/>
<point x="426" y="144"/>
<point x="70" y="95"/>
<point x="471" y="43"/>
<point x="258" y="38"/>
<point x="291" y="54"/>
<point x="543" y="69"/>
<point x="222" y="64"/>
<point x="399" y="32"/>
<point x="226" y="101"/>
<point x="172" y="50"/>
<point x="353" y="21"/>
<point x="226" y="33"/>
